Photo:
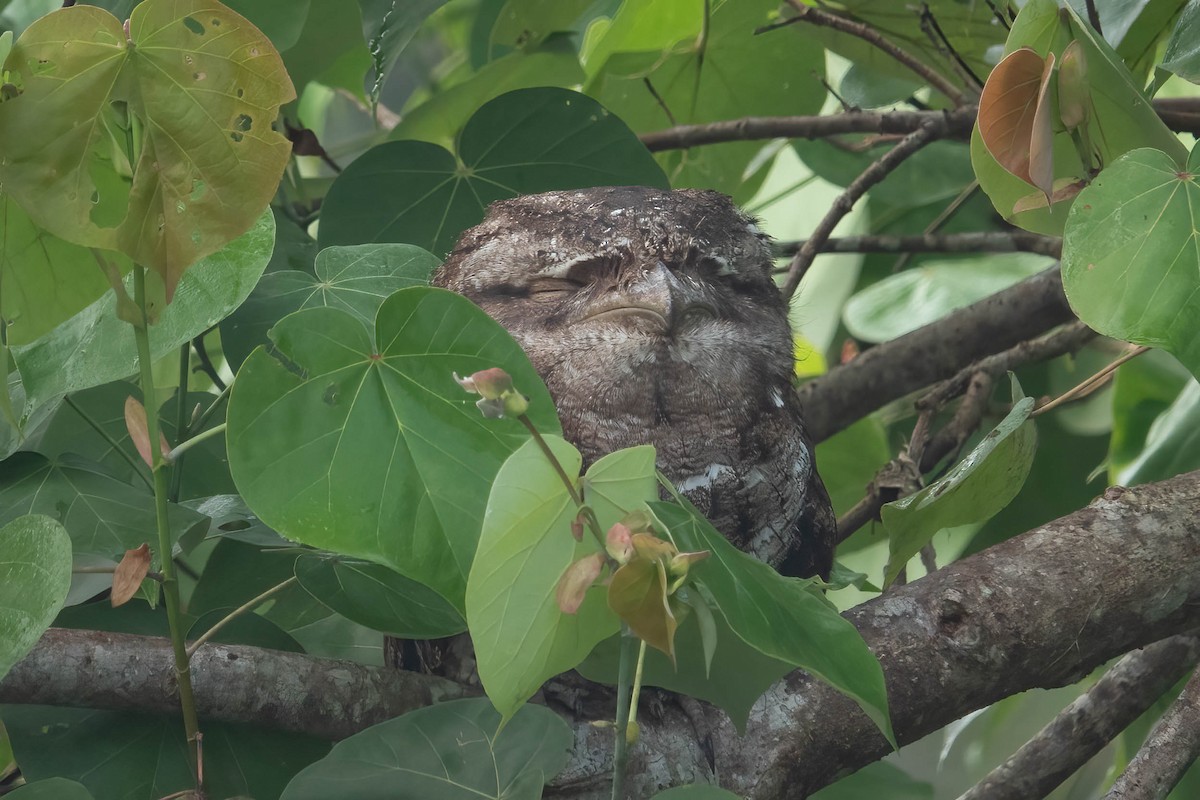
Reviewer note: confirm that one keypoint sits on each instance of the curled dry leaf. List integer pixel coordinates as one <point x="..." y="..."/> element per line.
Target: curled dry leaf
<point x="135" y="423"/>
<point x="574" y="583"/>
<point x="130" y="573"/>
<point x="1008" y="112"/>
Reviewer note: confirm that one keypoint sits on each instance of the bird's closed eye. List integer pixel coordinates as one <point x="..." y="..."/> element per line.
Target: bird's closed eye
<point x="554" y="286"/>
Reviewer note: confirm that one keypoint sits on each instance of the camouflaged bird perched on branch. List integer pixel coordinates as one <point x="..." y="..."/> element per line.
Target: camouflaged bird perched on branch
<point x="652" y="317"/>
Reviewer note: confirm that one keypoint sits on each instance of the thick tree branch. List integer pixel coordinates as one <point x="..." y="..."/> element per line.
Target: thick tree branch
<point x="285" y="691"/>
<point x="1167" y="752"/>
<point x="1091" y="722"/>
<point x="977" y="242"/>
<point x="845" y="201"/>
<point x="935" y="352"/>
<point x="1040" y="610"/>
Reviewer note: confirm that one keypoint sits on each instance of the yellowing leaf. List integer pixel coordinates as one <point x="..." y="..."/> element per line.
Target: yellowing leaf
<point x="638" y="595"/>
<point x="159" y="145"/>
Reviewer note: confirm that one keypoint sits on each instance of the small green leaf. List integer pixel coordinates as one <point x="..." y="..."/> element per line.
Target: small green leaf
<point x="530" y="140"/>
<point x="978" y="486"/>
<point x="94" y="347"/>
<point x="637" y="594"/>
<point x="1131" y="253"/>
<point x="1183" y="48"/>
<point x="379" y="598"/>
<point x="620" y="483"/>
<point x="35" y="575"/>
<point x="521" y="637"/>
<point x="784" y="618"/>
<point x="372" y="449"/>
<point x="163" y="141"/>
<point x="354" y="279"/>
<point x="449" y="751"/>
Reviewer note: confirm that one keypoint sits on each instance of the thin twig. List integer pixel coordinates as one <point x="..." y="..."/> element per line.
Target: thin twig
<point x="937" y="36"/>
<point x="931" y="76"/>
<point x="951" y="124"/>
<point x="1091" y="384"/>
<point x="237" y="612"/>
<point x="975" y="242"/>
<point x="943" y="217"/>
<point x="206" y="363"/>
<point x="841" y="206"/>
<point x="1094" y="16"/>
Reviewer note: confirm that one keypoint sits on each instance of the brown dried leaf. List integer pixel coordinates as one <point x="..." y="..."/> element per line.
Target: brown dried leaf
<point x="1041" y="141"/>
<point x="1007" y="108"/>
<point x="135" y="423"/>
<point x="1062" y="189"/>
<point x="129" y="574"/>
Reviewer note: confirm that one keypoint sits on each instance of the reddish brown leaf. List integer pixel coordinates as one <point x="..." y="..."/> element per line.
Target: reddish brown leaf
<point x="1062" y="189"/>
<point x="1007" y="108"/>
<point x="135" y="423"/>
<point x="574" y="583"/>
<point x="129" y="574"/>
<point x="1041" y="141"/>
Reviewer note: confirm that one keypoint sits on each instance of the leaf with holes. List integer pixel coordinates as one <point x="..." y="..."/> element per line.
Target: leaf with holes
<point x="159" y="145"/>
<point x="370" y="448"/>
<point x="1131" y="253"/>
<point x="527" y="141"/>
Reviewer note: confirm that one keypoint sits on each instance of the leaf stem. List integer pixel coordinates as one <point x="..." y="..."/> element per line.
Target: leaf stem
<point x="184" y="446"/>
<point x="159" y="468"/>
<point x="588" y="515"/>
<point x="181" y="417"/>
<point x="637" y="684"/>
<point x="621" y="744"/>
<point x="237" y="612"/>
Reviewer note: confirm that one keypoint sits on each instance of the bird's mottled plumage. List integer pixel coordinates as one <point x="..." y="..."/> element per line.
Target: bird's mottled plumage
<point x="652" y="317"/>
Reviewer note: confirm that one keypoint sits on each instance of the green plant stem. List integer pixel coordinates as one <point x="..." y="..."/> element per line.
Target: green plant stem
<point x="237" y="612"/>
<point x="159" y="468"/>
<point x="637" y="683"/>
<point x="624" y="688"/>
<point x="588" y="514"/>
<point x="113" y="443"/>
<point x="181" y="417"/>
<point x="212" y="407"/>
<point x="184" y="446"/>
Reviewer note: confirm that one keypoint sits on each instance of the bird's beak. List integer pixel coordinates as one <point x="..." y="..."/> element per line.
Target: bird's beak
<point x="660" y="298"/>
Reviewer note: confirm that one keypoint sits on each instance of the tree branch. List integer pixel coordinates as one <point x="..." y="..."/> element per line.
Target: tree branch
<point x="976" y="242"/>
<point x="932" y="353"/>
<point x="1125" y="573"/>
<point x="1091" y="722"/>
<point x="1167" y="752"/>
<point x="815" y="16"/>
<point x="946" y="124"/>
<point x="1181" y="115"/>
<point x="845" y="201"/>
<point x="285" y="691"/>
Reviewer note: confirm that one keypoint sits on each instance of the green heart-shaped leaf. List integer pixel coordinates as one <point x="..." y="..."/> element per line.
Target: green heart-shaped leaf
<point x="1131" y="253"/>
<point x="371" y="449"/>
<point x="159" y="145"/>
<point x="355" y="279"/>
<point x="527" y="141"/>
